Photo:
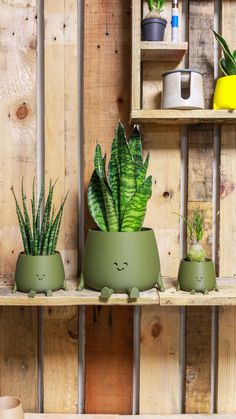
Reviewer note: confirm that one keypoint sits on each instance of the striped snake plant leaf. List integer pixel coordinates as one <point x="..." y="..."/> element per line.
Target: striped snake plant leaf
<point x="96" y="203"/>
<point x="109" y="203"/>
<point x="135" y="146"/>
<point x="113" y="174"/>
<point x="127" y="171"/>
<point x="143" y="172"/>
<point x="136" y="209"/>
<point x="99" y="162"/>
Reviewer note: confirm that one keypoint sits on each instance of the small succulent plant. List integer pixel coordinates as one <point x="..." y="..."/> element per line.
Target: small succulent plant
<point x="155" y="8"/>
<point x="195" y="253"/>
<point x="117" y="200"/>
<point x="39" y="237"/>
<point x="227" y="63"/>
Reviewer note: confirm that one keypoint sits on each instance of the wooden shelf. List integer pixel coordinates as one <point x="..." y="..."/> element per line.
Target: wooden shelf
<point x="225" y="296"/>
<point x="163" y="51"/>
<point x="182" y="117"/>
<point x="107" y="416"/>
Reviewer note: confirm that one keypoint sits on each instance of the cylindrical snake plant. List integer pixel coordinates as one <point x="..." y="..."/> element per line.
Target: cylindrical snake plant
<point x="118" y="200"/>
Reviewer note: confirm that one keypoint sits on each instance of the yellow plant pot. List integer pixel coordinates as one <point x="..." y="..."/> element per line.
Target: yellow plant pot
<point x="225" y="93"/>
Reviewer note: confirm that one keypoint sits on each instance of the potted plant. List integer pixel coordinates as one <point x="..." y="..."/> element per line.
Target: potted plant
<point x="153" y="25"/>
<point x="11" y="408"/>
<point x="120" y="256"/>
<point x="225" y="90"/>
<point x="196" y="271"/>
<point x="39" y="268"/>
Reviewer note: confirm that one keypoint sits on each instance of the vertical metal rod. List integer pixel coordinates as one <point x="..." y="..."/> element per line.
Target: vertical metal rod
<point x="80" y="62"/>
<point x="215" y="221"/>
<point x="40" y="176"/>
<point x="136" y="362"/>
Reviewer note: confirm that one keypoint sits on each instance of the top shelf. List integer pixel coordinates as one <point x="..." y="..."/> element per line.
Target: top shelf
<point x="163" y="51"/>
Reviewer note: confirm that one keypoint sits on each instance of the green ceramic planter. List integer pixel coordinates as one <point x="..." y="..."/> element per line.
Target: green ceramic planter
<point x="121" y="262"/>
<point x="35" y="274"/>
<point x="196" y="276"/>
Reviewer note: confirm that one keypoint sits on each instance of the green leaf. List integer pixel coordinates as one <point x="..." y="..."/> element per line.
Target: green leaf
<point x="113" y="174"/>
<point x="143" y="171"/>
<point x="135" y="146"/>
<point x="222" y="66"/>
<point x="96" y="203"/>
<point x="136" y="209"/>
<point x="234" y="55"/>
<point x="230" y="63"/>
<point x="111" y="214"/>
<point x="99" y="161"/>
<point x="159" y="5"/>
<point x="127" y="171"/>
<point x="151" y="4"/>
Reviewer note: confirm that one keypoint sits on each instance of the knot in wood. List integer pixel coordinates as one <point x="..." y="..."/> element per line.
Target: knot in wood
<point x="22" y="112"/>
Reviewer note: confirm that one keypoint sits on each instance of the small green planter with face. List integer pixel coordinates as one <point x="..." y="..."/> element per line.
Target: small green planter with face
<point x="121" y="262"/>
<point x="196" y="276"/>
<point x="39" y="274"/>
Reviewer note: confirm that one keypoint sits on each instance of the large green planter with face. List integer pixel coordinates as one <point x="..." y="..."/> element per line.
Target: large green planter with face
<point x="196" y="276"/>
<point x="37" y="274"/>
<point x="121" y="261"/>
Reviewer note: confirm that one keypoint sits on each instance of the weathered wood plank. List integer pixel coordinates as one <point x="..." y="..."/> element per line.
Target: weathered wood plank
<point x="109" y="360"/>
<point x="61" y="161"/>
<point x="18" y="326"/>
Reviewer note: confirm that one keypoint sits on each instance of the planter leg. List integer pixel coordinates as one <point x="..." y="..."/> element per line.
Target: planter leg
<point x="216" y="288"/>
<point x="32" y="294"/>
<point x="193" y="292"/>
<point x="80" y="285"/>
<point x="64" y="286"/>
<point x="106" y="293"/>
<point x="205" y="292"/>
<point x="14" y="288"/>
<point x="177" y="287"/>
<point x="49" y="293"/>
<point x="133" y="293"/>
<point x="160" y="283"/>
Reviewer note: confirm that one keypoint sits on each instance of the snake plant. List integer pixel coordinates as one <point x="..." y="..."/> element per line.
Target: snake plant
<point x="196" y="253"/>
<point x="39" y="237"/>
<point x="117" y="200"/>
<point x="156" y="5"/>
<point x="228" y="62"/>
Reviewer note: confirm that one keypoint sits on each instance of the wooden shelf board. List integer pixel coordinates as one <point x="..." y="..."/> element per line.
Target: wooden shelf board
<point x="70" y="297"/>
<point x="182" y="117"/>
<point x="107" y="416"/>
<point x="163" y="51"/>
<point x="226" y="296"/>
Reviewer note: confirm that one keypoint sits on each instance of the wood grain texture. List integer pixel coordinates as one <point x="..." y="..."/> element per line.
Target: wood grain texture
<point x="226" y="334"/>
<point x="18" y="326"/>
<point x="109" y="360"/>
<point x="159" y="361"/>
<point x="107" y="69"/>
<point x="18" y="354"/>
<point x="61" y="161"/>
<point x="200" y="177"/>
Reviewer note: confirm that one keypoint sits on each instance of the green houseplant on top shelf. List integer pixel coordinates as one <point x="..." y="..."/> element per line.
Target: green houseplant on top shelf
<point x="196" y="271"/>
<point x="225" y="90"/>
<point x="153" y="25"/>
<point x="39" y="268"/>
<point x="120" y="256"/>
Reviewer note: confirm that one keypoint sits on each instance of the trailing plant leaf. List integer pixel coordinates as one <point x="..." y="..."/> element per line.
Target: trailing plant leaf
<point x="127" y="171"/>
<point x="113" y="174"/>
<point x="96" y="203"/>
<point x="136" y="209"/>
<point x="228" y="65"/>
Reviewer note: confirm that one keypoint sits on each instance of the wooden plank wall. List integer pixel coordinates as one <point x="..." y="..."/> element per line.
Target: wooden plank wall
<point x="109" y="330"/>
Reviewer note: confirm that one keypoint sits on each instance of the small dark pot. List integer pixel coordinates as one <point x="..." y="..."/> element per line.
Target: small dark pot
<point x="121" y="260"/>
<point x="197" y="276"/>
<point x="39" y="273"/>
<point x="153" y="29"/>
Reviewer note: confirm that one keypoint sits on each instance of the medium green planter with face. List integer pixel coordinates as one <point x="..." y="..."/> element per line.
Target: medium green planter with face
<point x="196" y="276"/>
<point x="39" y="274"/>
<point x="121" y="261"/>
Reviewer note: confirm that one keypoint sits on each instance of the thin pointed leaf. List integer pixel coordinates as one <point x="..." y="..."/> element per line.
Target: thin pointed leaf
<point x="111" y="214"/>
<point x="136" y="209"/>
<point x="113" y="174"/>
<point x="99" y="161"/>
<point x="230" y="63"/>
<point x="222" y="66"/>
<point x="135" y="146"/>
<point x="96" y="203"/>
<point x="143" y="172"/>
<point x="127" y="171"/>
